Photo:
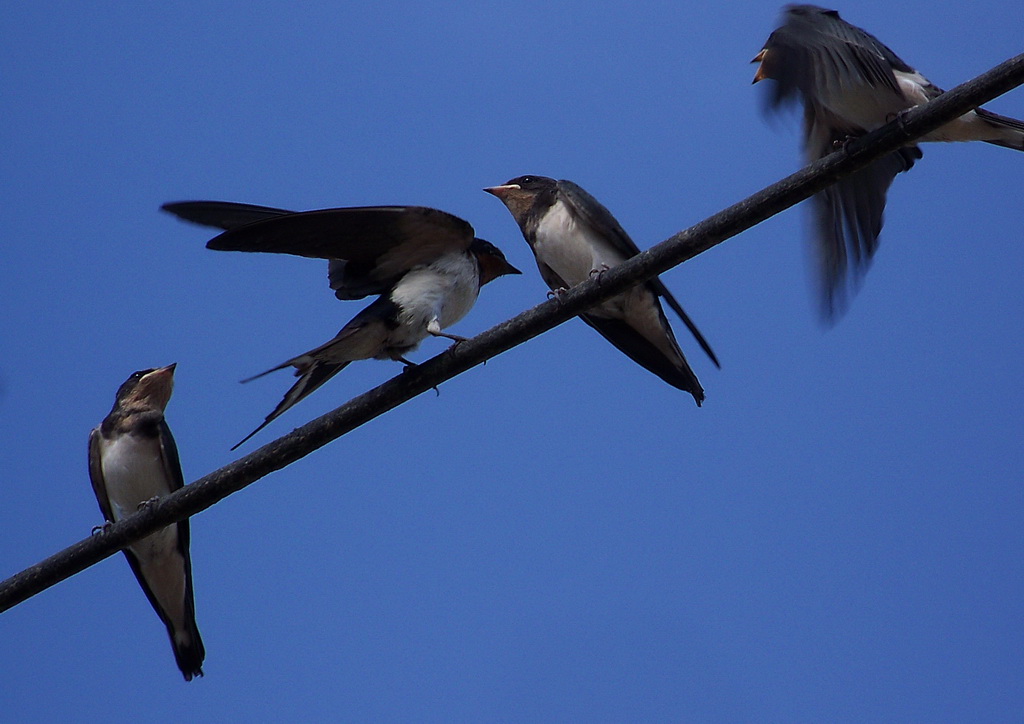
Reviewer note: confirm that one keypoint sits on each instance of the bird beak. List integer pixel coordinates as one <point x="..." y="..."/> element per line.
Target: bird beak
<point x="158" y="385"/>
<point x="502" y="191"/>
<point x="493" y="266"/>
<point x="759" y="58"/>
<point x="167" y="371"/>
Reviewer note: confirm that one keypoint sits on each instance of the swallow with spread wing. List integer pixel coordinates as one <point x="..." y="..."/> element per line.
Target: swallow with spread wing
<point x="850" y="84"/>
<point x="426" y="266"/>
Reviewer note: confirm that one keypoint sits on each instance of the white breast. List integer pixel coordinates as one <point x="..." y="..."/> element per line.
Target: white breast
<point x="445" y="290"/>
<point x="572" y="250"/>
<point x="133" y="472"/>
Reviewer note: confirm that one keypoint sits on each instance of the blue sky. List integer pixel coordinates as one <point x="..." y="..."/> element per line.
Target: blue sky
<point x="836" y="535"/>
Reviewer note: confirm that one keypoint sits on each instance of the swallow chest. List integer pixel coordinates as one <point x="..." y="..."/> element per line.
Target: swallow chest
<point x="133" y="472"/>
<point x="573" y="250"/>
<point x="570" y="248"/>
<point x="445" y="290"/>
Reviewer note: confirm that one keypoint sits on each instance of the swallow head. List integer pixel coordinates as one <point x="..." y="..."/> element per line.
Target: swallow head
<point x="149" y="389"/>
<point x="520" y="193"/>
<point x="491" y="261"/>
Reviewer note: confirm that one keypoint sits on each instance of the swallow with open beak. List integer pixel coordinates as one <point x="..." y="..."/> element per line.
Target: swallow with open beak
<point x="426" y="266"/>
<point x="850" y="84"/>
<point x="573" y="237"/>
<point x="133" y="459"/>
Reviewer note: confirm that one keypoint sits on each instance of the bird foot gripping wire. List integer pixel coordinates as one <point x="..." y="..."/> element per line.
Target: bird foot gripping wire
<point x="557" y="294"/>
<point x="409" y="366"/>
<point x="146" y="503"/>
<point x="599" y="272"/>
<point x="843" y="144"/>
<point x="900" y="118"/>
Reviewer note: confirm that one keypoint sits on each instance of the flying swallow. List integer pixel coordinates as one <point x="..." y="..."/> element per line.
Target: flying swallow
<point x="850" y="84"/>
<point x="573" y="237"/>
<point x="426" y="266"/>
<point x="132" y="459"/>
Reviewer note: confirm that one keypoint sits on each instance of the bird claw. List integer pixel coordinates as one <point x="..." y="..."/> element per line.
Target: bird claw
<point x="899" y="117"/>
<point x="100" y="529"/>
<point x="599" y="272"/>
<point x="409" y="367"/>
<point x="842" y="144"/>
<point x="146" y="503"/>
<point x="557" y="294"/>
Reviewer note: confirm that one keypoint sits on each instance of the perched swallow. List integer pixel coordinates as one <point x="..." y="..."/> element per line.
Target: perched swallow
<point x="850" y="84"/>
<point x="132" y="459"/>
<point x="426" y="266"/>
<point x="573" y="237"/>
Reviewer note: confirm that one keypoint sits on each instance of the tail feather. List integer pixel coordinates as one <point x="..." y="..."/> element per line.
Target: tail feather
<point x="281" y="366"/>
<point x="310" y="379"/>
<point x="189" y="652"/>
<point x="1014" y="129"/>
<point x="690" y="325"/>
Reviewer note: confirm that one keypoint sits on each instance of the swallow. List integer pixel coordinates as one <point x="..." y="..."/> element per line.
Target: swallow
<point x="850" y="84"/>
<point x="573" y="237"/>
<point x="133" y="459"/>
<point x="425" y="265"/>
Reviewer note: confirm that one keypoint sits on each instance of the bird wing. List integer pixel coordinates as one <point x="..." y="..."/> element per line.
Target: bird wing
<point x="370" y="247"/>
<point x="601" y="220"/>
<point x="222" y="214"/>
<point x="642" y="351"/>
<point x="818" y="54"/>
<point x="848" y="218"/>
<point x="99" y="485"/>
